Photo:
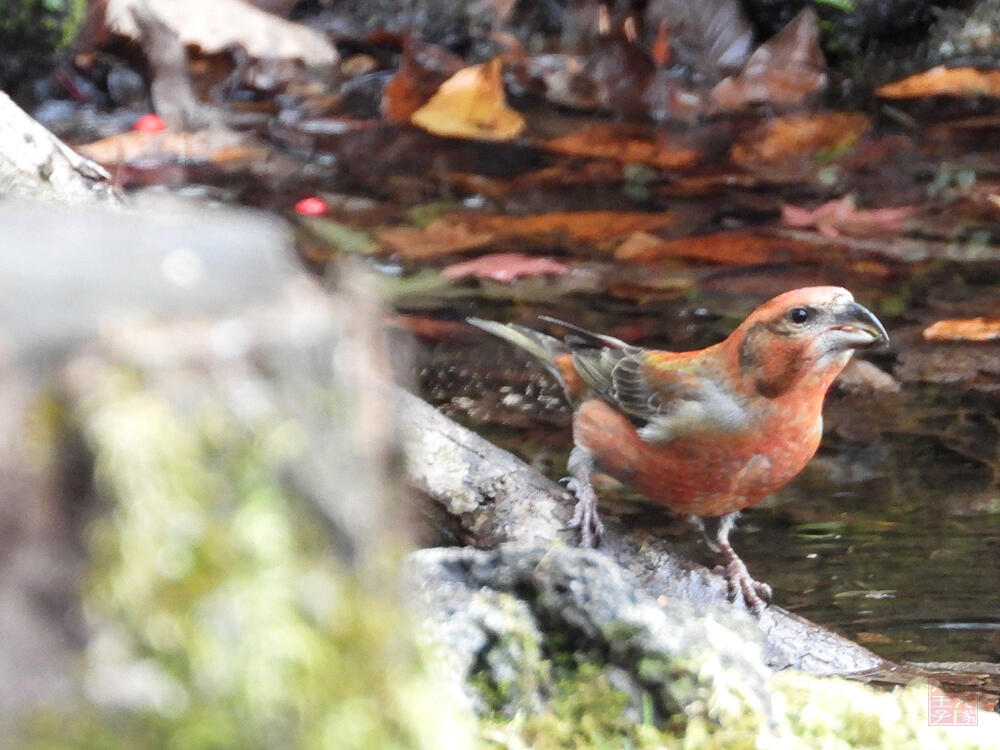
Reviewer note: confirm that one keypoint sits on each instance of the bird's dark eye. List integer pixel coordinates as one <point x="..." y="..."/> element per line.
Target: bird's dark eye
<point x="799" y="315"/>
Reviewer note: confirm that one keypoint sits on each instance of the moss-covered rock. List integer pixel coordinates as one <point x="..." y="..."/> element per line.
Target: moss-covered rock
<point x="219" y="612"/>
<point x="561" y="650"/>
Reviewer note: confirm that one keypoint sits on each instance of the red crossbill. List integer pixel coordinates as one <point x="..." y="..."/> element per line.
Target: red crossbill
<point x="709" y="432"/>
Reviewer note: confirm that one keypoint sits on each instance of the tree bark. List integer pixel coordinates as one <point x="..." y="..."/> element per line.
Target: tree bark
<point x="35" y="164"/>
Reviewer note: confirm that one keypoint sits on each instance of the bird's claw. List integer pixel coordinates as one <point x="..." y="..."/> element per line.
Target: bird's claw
<point x="585" y="516"/>
<point x="756" y="595"/>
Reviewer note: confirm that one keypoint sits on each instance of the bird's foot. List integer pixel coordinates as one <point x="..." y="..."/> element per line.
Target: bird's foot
<point x="756" y="595"/>
<point x="585" y="516"/>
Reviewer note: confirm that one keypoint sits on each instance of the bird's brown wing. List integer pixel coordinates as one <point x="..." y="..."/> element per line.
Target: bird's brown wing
<point x="666" y="400"/>
<point x="620" y="377"/>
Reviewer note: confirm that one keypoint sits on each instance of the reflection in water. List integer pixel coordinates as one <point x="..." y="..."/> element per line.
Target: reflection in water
<point x="906" y="563"/>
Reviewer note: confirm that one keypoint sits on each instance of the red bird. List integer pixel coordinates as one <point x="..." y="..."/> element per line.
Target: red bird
<point x="709" y="432"/>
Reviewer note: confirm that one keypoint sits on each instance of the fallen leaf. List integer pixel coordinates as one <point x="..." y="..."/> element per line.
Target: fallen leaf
<point x="574" y="230"/>
<point x="636" y="245"/>
<point x="573" y="227"/>
<point x="471" y="104"/>
<point x="423" y="67"/>
<point x="438" y="238"/>
<point x="942" y="81"/>
<point x="786" y="70"/>
<point x="796" y="136"/>
<point x="205" y="146"/>
<point x="222" y="24"/>
<point x="868" y="638"/>
<point x="735" y="248"/>
<point x="620" y="70"/>
<point x="432" y="329"/>
<point x="842" y="216"/>
<point x="971" y="329"/>
<point x="626" y="144"/>
<point x="504" y="267"/>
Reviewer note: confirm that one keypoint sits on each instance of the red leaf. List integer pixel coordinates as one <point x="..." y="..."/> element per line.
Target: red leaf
<point x="504" y="267"/>
<point x="841" y="216"/>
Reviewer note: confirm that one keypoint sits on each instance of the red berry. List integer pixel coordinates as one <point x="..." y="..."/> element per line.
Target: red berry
<point x="149" y="124"/>
<point x="311" y="206"/>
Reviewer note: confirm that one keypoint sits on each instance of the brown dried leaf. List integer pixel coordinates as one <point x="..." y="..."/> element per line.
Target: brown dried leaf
<point x="786" y="70"/>
<point x="574" y="227"/>
<point x="504" y="267"/>
<point x="439" y="238"/>
<point x="797" y="136"/>
<point x="620" y="71"/>
<point x="626" y="144"/>
<point x="942" y="81"/>
<point x="423" y="67"/>
<point x="471" y="104"/>
<point x="972" y="329"/>
<point x="735" y="248"/>
<point x="221" y="24"/>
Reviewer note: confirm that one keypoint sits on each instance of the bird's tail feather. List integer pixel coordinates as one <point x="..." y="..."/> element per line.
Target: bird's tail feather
<point x="540" y="345"/>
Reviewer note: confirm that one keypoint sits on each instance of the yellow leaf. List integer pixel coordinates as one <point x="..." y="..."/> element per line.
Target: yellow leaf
<point x="471" y="104"/>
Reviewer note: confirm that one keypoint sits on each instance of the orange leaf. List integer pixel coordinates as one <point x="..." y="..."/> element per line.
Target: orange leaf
<point x="204" y="146"/>
<point x="432" y="329"/>
<point x="971" y="329"/>
<point x="582" y="227"/>
<point x="636" y="245"/>
<point x="504" y="267"/>
<point x="471" y="104"/>
<point x="626" y="144"/>
<point x="799" y="136"/>
<point x="737" y="248"/>
<point x="942" y="81"/>
<point x="459" y="233"/>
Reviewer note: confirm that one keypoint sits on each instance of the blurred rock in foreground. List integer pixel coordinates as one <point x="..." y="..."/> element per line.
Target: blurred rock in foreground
<point x="215" y="562"/>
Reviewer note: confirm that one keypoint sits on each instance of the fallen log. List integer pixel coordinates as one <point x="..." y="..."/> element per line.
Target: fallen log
<point x="480" y="495"/>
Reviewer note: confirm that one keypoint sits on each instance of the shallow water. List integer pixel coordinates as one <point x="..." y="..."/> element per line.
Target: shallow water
<point x="907" y="565"/>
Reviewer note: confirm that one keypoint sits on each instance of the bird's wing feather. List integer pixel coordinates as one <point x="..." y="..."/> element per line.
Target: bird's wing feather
<point x="667" y="402"/>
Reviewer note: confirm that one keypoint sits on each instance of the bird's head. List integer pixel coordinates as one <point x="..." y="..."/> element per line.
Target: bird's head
<point x="804" y="338"/>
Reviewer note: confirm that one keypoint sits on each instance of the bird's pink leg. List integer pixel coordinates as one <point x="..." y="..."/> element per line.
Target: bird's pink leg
<point x="756" y="595"/>
<point x="585" y="516"/>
